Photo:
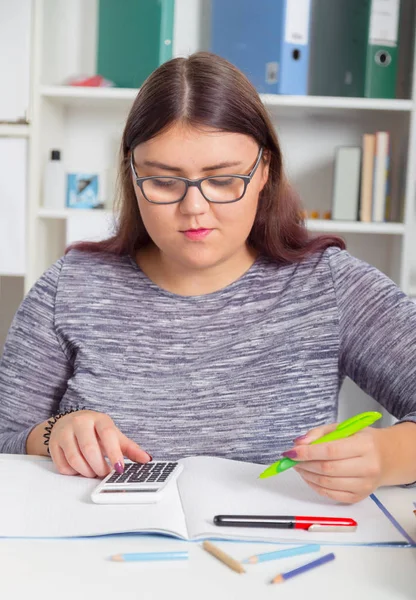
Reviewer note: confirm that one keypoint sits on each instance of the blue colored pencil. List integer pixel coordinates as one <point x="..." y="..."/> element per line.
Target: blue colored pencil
<point x="150" y="556"/>
<point x="258" y="558"/>
<point x="315" y="563"/>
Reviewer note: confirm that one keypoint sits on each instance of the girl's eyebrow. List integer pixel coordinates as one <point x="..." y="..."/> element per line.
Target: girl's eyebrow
<point x="159" y="165"/>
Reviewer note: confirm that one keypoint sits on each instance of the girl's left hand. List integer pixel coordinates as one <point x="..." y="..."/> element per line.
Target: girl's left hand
<point x="345" y="470"/>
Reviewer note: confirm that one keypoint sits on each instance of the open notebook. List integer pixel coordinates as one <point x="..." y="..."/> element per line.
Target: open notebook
<point x="36" y="501"/>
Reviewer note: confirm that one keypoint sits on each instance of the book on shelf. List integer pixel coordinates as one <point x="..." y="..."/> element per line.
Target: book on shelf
<point x="367" y="172"/>
<point x="380" y="177"/>
<point x="364" y="188"/>
<point x="134" y="38"/>
<point x="346" y="186"/>
<point x="380" y="193"/>
<point x="354" y="48"/>
<point x="397" y="179"/>
<point x="269" y="43"/>
<point x="37" y="497"/>
<point x="406" y="49"/>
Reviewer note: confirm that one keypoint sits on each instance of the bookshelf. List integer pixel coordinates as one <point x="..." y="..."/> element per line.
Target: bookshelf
<point x="87" y="122"/>
<point x="14" y="130"/>
<point x="78" y="96"/>
<point x="86" y="125"/>
<point x="49" y="213"/>
<point x="319" y="225"/>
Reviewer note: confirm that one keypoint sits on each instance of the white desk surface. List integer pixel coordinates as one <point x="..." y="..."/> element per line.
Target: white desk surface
<point x="79" y="568"/>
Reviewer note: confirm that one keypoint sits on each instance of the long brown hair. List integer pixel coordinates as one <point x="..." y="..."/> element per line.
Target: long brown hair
<point x="206" y="90"/>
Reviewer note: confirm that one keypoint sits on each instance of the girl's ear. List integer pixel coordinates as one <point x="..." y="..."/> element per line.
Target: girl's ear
<point x="265" y="163"/>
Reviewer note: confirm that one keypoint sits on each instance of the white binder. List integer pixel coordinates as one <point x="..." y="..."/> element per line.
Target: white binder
<point x="15" y="41"/>
<point x="13" y="185"/>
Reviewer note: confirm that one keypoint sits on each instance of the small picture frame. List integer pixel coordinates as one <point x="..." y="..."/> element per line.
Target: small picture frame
<point x="82" y="191"/>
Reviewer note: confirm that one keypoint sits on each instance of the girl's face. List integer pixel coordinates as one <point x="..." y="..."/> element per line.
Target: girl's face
<point x="194" y="233"/>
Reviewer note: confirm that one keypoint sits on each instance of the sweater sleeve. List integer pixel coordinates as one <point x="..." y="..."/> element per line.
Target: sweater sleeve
<point x="33" y="369"/>
<point x="377" y="334"/>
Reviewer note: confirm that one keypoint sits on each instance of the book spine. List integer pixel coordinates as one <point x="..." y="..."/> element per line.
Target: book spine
<point x="382" y="52"/>
<point x="166" y="30"/>
<point x="346" y="184"/>
<point x="366" y="199"/>
<point x="295" y="47"/>
<point x="251" y="39"/>
<point x="388" y="208"/>
<point x="380" y="171"/>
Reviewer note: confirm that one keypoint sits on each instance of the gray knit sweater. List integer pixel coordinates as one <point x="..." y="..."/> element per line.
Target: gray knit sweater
<point x="237" y="373"/>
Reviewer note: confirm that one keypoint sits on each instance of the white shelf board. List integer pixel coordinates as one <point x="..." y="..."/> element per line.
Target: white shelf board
<point x="64" y="213"/>
<point x="75" y="95"/>
<point x="330" y="102"/>
<point x="312" y="224"/>
<point x="329" y="226"/>
<point x="14" y="130"/>
<point x="68" y="95"/>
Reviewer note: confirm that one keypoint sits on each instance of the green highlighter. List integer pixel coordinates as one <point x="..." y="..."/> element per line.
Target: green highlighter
<point x="344" y="429"/>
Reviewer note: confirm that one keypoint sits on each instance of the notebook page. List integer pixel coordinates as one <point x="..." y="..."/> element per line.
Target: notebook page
<point x="36" y="501"/>
<point x="211" y="486"/>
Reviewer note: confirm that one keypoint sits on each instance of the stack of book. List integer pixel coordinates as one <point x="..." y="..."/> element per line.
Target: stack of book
<point x="375" y="199"/>
<point x="362" y="181"/>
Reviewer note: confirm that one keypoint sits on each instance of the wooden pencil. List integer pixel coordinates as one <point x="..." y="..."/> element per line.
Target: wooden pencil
<point x="223" y="557"/>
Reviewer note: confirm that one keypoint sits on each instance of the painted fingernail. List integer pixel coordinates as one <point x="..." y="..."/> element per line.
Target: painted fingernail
<point x="150" y="456"/>
<point x="119" y="467"/>
<point x="290" y="454"/>
<point x="301" y="438"/>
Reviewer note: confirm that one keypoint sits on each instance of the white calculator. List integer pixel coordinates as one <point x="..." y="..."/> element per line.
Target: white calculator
<point x="139" y="484"/>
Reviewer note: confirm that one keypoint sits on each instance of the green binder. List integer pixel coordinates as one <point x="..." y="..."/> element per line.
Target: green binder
<point x="134" y="38"/>
<point x="354" y="48"/>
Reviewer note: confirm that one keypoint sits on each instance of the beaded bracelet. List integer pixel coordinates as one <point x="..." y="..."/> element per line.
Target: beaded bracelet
<point x="52" y="421"/>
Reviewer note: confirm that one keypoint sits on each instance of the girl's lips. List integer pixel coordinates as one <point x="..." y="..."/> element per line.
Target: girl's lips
<point x="197" y="234"/>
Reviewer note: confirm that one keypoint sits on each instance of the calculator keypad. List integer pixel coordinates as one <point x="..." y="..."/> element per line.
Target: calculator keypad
<point x="156" y="472"/>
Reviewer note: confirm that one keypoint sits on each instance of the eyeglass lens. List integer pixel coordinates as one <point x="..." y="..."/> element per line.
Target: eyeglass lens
<point x="216" y="189"/>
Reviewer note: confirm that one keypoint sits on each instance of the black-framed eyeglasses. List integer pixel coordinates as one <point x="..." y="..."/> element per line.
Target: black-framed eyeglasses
<point x="219" y="189"/>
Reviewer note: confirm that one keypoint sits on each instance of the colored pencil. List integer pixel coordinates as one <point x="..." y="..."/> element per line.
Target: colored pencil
<point x="223" y="557"/>
<point x="307" y="567"/>
<point x="258" y="558"/>
<point x="149" y="556"/>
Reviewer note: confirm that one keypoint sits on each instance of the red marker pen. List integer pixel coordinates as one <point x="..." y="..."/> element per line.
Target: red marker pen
<point x="287" y="522"/>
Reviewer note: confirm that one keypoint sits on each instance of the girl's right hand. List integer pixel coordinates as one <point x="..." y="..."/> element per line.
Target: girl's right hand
<point x="80" y="440"/>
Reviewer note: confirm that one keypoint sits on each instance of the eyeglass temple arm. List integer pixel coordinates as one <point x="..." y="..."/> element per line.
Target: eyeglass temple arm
<point x="253" y="170"/>
<point x="132" y="165"/>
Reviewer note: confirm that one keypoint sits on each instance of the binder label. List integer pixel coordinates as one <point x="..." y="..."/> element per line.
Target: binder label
<point x="297" y="22"/>
<point x="384" y="22"/>
<point x="272" y="72"/>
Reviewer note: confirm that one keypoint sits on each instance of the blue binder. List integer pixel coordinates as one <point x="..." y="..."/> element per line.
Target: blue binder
<point x="266" y="39"/>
